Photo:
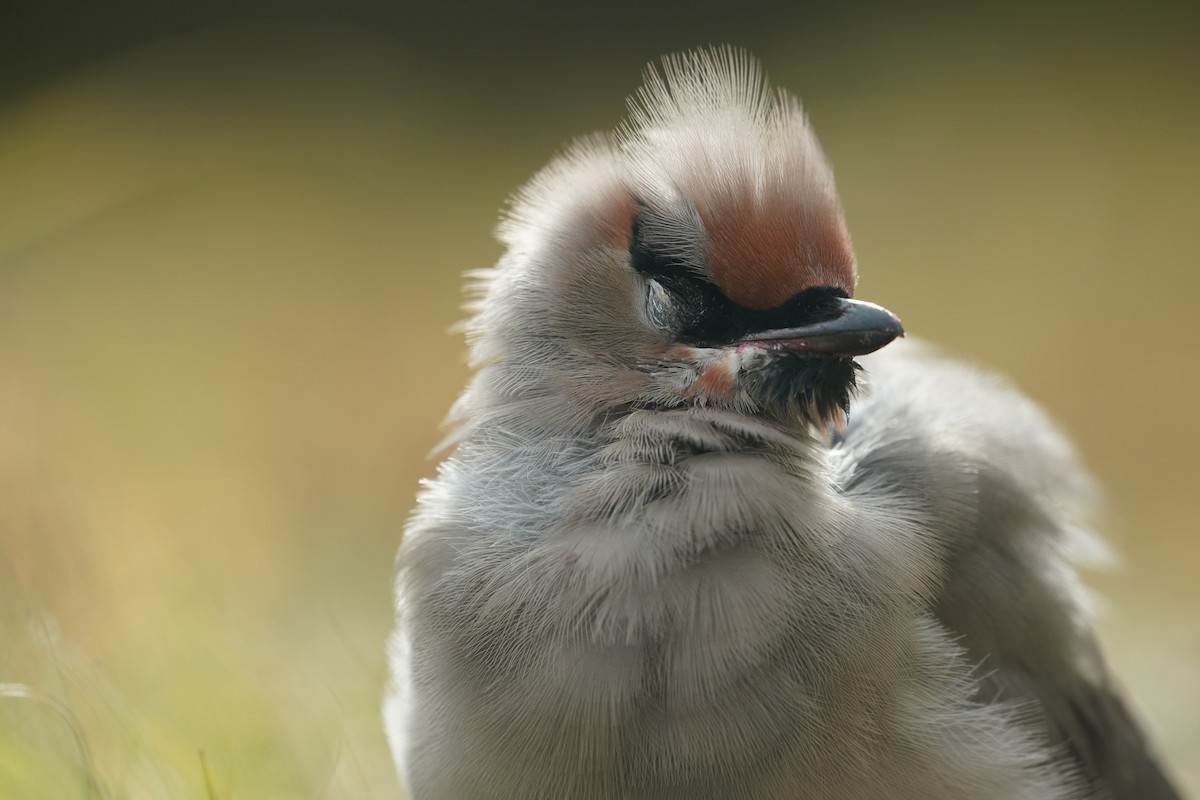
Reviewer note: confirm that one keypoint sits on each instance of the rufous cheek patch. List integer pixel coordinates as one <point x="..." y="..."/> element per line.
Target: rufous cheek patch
<point x="715" y="382"/>
<point x="674" y="352"/>
<point x="605" y="221"/>
<point x="761" y="256"/>
<point x="614" y="218"/>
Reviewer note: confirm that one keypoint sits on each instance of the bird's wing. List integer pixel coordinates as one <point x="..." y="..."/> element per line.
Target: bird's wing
<point x="1001" y="490"/>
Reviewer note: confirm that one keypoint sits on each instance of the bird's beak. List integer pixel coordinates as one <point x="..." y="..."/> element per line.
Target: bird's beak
<point x="859" y="328"/>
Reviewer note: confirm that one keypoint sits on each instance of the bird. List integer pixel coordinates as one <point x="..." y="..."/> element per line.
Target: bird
<point x="711" y="528"/>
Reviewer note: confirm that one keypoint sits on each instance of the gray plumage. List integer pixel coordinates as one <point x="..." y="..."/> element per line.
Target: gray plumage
<point x="663" y="565"/>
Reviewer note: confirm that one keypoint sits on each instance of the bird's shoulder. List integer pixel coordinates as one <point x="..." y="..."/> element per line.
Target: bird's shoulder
<point x="920" y="409"/>
<point x="1002" y="491"/>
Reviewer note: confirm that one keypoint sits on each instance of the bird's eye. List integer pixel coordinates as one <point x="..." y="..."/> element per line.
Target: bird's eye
<point x="658" y="305"/>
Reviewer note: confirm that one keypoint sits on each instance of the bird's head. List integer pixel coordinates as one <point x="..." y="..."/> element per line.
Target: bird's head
<point x="698" y="256"/>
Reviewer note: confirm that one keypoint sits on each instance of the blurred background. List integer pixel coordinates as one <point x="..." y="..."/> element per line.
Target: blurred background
<point x="231" y="235"/>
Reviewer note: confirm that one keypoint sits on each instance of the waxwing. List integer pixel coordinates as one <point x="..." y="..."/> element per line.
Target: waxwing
<point x="688" y="545"/>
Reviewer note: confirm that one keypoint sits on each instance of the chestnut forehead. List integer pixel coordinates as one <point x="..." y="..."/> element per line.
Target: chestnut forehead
<point x="760" y="255"/>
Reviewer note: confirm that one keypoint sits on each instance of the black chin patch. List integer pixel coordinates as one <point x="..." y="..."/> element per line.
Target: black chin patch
<point x="791" y="384"/>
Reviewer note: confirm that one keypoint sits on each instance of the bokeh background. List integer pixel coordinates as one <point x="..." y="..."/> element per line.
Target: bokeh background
<point x="231" y="235"/>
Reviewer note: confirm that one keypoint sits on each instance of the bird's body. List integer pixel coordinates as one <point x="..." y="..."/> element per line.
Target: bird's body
<point x="662" y="564"/>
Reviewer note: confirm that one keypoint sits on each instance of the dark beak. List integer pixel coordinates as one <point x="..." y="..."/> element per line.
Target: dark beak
<point x="857" y="329"/>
